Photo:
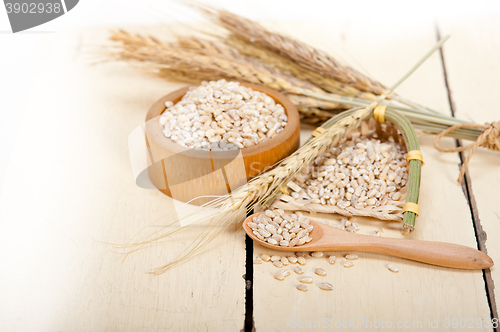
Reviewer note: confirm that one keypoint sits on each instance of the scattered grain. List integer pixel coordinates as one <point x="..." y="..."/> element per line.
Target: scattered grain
<point x="348" y="264"/>
<point x="320" y="272"/>
<point x="306" y="280"/>
<point x="279" y="276"/>
<point x="298" y="270"/>
<point x="326" y="286"/>
<point x="285" y="261"/>
<point x="278" y="264"/>
<point x="393" y="268"/>
<point x="302" y="287"/>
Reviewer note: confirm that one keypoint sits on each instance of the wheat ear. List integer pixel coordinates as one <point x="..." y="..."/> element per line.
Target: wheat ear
<point x="285" y="64"/>
<point x="194" y="60"/>
<point x="304" y="55"/>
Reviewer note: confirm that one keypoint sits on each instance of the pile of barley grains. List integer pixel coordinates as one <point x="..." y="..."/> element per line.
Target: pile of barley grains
<point x="280" y="229"/>
<point x="362" y="173"/>
<point x="221" y="116"/>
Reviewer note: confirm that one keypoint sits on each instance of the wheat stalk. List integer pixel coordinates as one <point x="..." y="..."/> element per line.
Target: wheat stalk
<point x="315" y="116"/>
<point x="194" y="60"/>
<point x="304" y="55"/>
<point x="154" y="55"/>
<point x="258" y="190"/>
<point x="237" y="48"/>
<point x="285" y="64"/>
<point x="316" y="65"/>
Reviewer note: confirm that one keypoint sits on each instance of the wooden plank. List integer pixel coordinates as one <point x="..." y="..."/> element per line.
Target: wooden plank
<point x="69" y="188"/>
<point x="367" y="295"/>
<point x="471" y="59"/>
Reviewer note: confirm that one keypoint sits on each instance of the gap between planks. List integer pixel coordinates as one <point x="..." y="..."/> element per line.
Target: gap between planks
<point x="249" y="324"/>
<point x="481" y="235"/>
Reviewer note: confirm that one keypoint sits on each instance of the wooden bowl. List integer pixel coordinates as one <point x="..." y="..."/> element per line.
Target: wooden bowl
<point x="187" y="174"/>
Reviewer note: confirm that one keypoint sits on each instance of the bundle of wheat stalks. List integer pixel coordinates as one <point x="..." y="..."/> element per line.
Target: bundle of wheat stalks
<point x="317" y="84"/>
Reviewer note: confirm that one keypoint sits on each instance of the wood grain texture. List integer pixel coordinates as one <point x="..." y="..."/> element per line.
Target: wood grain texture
<point x="70" y="187"/>
<point x="472" y="61"/>
<point x="418" y="293"/>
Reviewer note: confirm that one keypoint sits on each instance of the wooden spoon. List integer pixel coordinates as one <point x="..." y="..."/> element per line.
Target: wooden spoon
<point x="327" y="238"/>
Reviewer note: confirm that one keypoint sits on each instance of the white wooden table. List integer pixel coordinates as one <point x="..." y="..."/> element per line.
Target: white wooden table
<point x="69" y="188"/>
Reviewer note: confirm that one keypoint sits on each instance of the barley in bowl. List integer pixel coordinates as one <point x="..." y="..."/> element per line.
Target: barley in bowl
<point x="221" y="116"/>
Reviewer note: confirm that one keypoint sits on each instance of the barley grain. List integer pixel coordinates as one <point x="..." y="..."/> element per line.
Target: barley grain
<point x="298" y="270"/>
<point x="284" y="243"/>
<point x="302" y="287"/>
<point x="264" y="233"/>
<point x="326" y="286"/>
<point x="320" y="272"/>
<point x="252" y="225"/>
<point x="270" y="240"/>
<point x="293" y="242"/>
<point x="306" y="280"/>
<point x="393" y="268"/>
<point x="279" y="276"/>
<point x="348" y="264"/>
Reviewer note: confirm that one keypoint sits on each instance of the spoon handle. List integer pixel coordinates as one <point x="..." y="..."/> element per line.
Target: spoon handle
<point x="435" y="253"/>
